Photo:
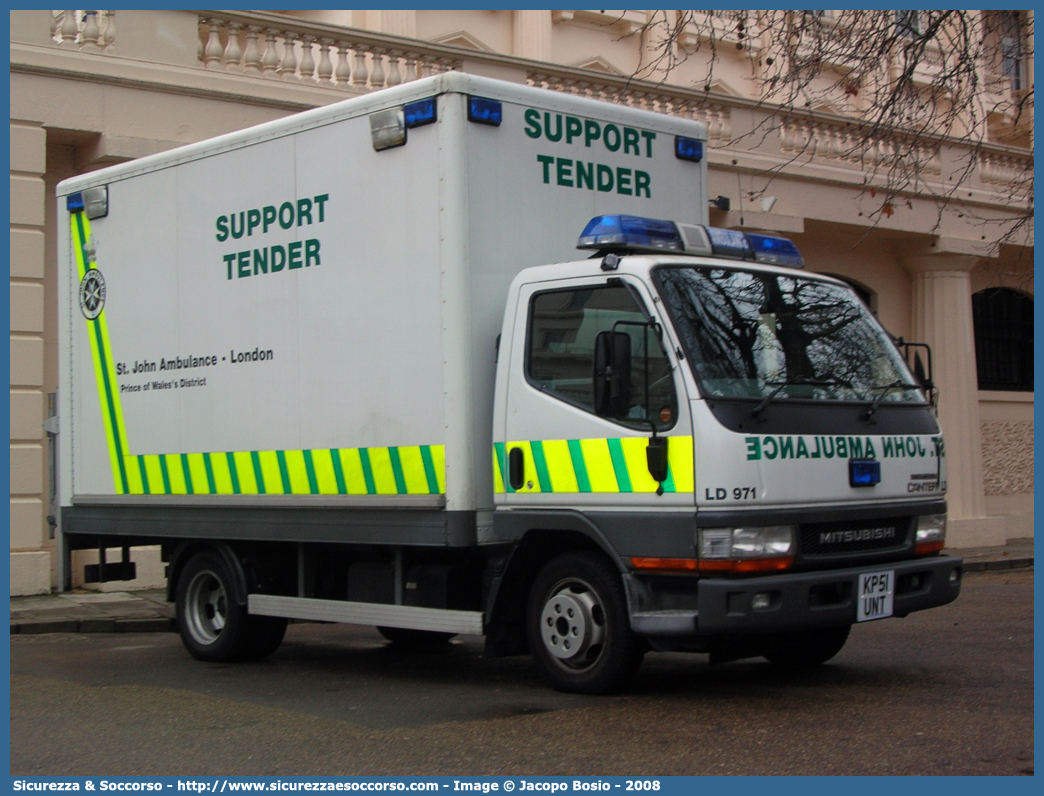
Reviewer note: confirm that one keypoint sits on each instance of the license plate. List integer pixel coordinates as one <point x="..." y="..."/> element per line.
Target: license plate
<point x="876" y="590"/>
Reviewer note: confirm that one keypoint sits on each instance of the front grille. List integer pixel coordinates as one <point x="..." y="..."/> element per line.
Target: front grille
<point x="853" y="536"/>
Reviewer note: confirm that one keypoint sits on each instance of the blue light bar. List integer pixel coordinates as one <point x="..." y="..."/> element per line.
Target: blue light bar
<point x="864" y="472"/>
<point x="74" y="202"/>
<point x="777" y="251"/>
<point x="420" y="112"/>
<point x="729" y="243"/>
<point x="485" y="111"/>
<point x="688" y="149"/>
<point x="630" y="232"/>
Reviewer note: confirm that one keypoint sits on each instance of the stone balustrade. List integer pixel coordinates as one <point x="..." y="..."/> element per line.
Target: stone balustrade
<point x="93" y="31"/>
<point x="1002" y="169"/>
<point x="808" y="138"/>
<point x="648" y="96"/>
<point x="351" y="61"/>
<point x="313" y="55"/>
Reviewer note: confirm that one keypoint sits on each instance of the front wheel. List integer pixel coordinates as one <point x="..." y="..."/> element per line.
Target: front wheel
<point x="807" y="648"/>
<point x="578" y="625"/>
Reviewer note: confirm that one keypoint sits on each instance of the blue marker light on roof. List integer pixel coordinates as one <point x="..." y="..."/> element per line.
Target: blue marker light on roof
<point x="777" y="251"/>
<point x="485" y="111"/>
<point x="729" y="243"/>
<point x="74" y="202"/>
<point x="420" y="112"/>
<point x="688" y="149"/>
<point x="623" y="234"/>
<point x="630" y="232"/>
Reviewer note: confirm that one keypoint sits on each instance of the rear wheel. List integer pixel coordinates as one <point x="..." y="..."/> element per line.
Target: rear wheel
<point x="407" y="637"/>
<point x="213" y="626"/>
<point x="807" y="648"/>
<point x="578" y="625"/>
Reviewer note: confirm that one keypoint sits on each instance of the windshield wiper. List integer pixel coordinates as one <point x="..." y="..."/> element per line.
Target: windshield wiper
<point x="768" y="398"/>
<point x="884" y="390"/>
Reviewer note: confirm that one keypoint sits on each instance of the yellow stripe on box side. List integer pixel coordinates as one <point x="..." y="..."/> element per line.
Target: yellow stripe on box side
<point x="351" y="466"/>
<point x="295" y="466"/>
<point x="198" y="472"/>
<point x="413" y="470"/>
<point x="178" y="484"/>
<point x="325" y="476"/>
<point x="383" y="475"/>
<point x="245" y="472"/>
<point x="438" y="459"/>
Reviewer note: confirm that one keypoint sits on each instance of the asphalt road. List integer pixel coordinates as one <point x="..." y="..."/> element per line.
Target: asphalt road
<point x="948" y="691"/>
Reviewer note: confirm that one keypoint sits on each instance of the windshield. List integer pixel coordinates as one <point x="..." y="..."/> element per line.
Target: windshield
<point x="762" y="335"/>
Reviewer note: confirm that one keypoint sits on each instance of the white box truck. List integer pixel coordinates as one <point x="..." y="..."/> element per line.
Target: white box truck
<point x="344" y="366"/>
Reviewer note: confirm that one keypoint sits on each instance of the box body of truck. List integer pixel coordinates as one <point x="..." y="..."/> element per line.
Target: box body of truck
<point x="288" y="290"/>
<point x="304" y="358"/>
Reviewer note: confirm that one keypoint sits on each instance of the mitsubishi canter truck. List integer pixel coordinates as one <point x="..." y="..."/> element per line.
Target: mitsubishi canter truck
<point x="348" y="366"/>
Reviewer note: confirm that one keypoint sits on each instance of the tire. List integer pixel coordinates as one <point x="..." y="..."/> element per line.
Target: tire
<point x="212" y="625"/>
<point x="407" y="637"/>
<point x="578" y="625"/>
<point x="266" y="635"/>
<point x="807" y="648"/>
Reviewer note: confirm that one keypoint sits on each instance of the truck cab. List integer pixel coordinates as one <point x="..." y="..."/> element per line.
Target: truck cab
<point x="736" y="442"/>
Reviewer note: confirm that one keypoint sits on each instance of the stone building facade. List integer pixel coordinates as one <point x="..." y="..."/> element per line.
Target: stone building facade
<point x="92" y="88"/>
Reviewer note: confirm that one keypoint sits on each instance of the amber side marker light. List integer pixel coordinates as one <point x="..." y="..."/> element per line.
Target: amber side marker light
<point x="712" y="565"/>
<point x="746" y="564"/>
<point x="664" y="564"/>
<point x="926" y="548"/>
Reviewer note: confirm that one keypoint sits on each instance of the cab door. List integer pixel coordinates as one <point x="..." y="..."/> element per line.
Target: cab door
<point x="560" y="444"/>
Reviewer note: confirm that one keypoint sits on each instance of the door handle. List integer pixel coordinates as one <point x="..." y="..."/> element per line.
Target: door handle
<point x="516" y="468"/>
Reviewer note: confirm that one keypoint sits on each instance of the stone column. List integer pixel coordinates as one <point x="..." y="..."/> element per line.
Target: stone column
<point x="942" y="318"/>
<point x="533" y="35"/>
<point x="30" y="563"/>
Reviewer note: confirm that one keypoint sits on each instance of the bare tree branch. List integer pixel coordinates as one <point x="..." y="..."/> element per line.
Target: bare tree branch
<point x="909" y="84"/>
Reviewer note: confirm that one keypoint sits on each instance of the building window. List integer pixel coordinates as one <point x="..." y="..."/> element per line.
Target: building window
<point x="1003" y="339"/>
<point x="1011" y="49"/>
<point x="909" y="23"/>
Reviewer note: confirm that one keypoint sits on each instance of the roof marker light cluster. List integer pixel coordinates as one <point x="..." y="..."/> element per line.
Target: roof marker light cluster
<point x="633" y="234"/>
<point x="388" y="127"/>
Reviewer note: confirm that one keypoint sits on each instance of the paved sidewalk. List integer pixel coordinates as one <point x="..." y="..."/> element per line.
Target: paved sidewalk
<point x="93" y="612"/>
<point x="148" y="611"/>
<point x="1016" y="554"/>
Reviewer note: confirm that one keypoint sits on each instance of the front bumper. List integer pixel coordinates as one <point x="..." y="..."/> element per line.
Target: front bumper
<point x="798" y="600"/>
<point x="806" y="600"/>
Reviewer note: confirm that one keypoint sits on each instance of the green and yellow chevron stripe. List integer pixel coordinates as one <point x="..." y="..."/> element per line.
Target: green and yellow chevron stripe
<point x="125" y="479"/>
<point x="402" y="470"/>
<point x="614" y="465"/>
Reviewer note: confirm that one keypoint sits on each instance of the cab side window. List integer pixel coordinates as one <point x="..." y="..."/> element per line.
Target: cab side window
<point x="560" y="352"/>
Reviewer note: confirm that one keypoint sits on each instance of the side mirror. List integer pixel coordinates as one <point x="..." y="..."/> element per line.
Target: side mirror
<point x="656" y="458"/>
<point x="612" y="374"/>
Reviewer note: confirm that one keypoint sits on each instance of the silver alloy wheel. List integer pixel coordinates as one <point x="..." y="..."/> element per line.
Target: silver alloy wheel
<point x="572" y="624"/>
<point x="206" y="607"/>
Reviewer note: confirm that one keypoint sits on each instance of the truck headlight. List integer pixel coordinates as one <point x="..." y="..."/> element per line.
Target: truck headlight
<point x="759" y="549"/>
<point x="931" y="534"/>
